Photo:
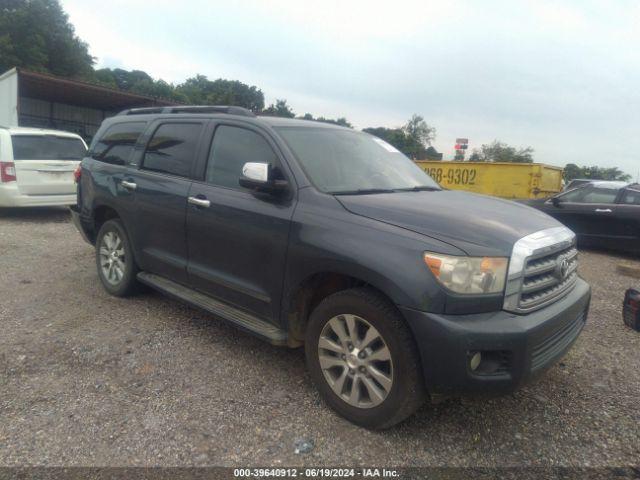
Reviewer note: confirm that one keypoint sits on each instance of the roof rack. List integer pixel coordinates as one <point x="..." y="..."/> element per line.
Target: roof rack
<point x="230" y="110"/>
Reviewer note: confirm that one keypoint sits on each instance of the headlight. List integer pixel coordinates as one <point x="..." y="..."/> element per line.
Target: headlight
<point x="473" y="275"/>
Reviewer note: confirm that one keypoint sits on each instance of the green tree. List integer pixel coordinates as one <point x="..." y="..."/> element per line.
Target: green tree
<point x="121" y="79"/>
<point x="37" y="35"/>
<point x="418" y="130"/>
<point x="412" y="139"/>
<point x="394" y="136"/>
<point x="571" y="171"/>
<point x="199" y="90"/>
<point x="279" y="109"/>
<point x="159" y="88"/>
<point x="433" y="154"/>
<point x="342" y="121"/>
<point x="137" y="81"/>
<point x="475" y="157"/>
<point x="501" y="152"/>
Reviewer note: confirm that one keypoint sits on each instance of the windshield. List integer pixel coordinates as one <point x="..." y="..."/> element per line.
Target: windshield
<point x="47" y="147"/>
<point x="349" y="162"/>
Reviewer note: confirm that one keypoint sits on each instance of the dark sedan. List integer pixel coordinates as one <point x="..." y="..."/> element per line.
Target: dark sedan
<point x="602" y="213"/>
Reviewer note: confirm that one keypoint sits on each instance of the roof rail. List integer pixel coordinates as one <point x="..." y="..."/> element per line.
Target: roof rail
<point x="230" y="110"/>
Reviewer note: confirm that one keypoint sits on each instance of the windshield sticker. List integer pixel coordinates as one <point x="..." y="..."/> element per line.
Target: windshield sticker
<point x="387" y="147"/>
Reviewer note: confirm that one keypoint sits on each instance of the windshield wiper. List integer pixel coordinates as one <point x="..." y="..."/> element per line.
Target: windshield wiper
<point x="363" y="191"/>
<point x="422" y="188"/>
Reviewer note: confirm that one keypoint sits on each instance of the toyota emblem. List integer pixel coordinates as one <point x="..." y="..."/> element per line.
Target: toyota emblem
<point x="563" y="268"/>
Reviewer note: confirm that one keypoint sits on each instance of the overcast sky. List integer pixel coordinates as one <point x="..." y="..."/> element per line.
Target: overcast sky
<point x="562" y="77"/>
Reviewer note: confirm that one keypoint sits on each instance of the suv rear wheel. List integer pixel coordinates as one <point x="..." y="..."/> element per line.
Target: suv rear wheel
<point x="116" y="267"/>
<point x="363" y="358"/>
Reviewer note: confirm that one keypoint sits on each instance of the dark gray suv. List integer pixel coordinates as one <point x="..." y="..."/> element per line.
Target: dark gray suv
<point x="310" y="234"/>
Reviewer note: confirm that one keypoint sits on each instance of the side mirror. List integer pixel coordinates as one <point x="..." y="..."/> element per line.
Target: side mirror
<point x="556" y="201"/>
<point x="259" y="177"/>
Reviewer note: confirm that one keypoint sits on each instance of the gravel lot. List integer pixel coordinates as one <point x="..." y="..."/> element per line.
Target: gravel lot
<point x="88" y="379"/>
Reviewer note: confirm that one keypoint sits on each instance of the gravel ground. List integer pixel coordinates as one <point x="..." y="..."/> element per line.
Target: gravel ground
<point x="89" y="379"/>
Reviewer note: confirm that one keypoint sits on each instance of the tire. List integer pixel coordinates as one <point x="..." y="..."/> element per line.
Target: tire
<point x="378" y="401"/>
<point x="119" y="280"/>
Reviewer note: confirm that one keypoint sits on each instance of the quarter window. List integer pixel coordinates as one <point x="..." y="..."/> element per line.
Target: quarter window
<point x="231" y="148"/>
<point x="172" y="148"/>
<point x="631" y="197"/>
<point x="117" y="144"/>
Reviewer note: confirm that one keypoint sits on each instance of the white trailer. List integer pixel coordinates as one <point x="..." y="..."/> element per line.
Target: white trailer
<point x="34" y="99"/>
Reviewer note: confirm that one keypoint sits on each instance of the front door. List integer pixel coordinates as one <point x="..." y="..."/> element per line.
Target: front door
<point x="590" y="212"/>
<point x="238" y="239"/>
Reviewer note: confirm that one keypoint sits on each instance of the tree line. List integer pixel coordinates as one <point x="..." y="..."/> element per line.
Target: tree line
<point x="37" y="35"/>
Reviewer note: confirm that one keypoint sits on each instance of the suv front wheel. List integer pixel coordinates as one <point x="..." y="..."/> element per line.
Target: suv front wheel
<point x="363" y="358"/>
<point x="117" y="268"/>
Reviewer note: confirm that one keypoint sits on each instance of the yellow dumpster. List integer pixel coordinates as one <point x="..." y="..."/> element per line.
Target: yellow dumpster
<point x="506" y="180"/>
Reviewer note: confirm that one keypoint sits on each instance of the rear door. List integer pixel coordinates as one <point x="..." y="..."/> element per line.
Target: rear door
<point x="45" y="163"/>
<point x="114" y="157"/>
<point x="628" y="214"/>
<point x="160" y="187"/>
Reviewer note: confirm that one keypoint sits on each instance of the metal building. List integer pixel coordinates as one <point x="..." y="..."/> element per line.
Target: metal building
<point x="31" y="99"/>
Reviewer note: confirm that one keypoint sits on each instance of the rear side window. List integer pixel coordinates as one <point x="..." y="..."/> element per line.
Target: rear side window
<point x="172" y="148"/>
<point x="232" y="147"/>
<point x="47" y="147"/>
<point x="631" y="197"/>
<point x="117" y="144"/>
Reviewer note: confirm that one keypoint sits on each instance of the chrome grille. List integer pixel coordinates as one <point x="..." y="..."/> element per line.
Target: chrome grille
<point x="542" y="269"/>
<point x="544" y="280"/>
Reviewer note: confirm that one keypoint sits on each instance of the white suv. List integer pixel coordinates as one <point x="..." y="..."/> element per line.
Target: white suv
<point x="37" y="166"/>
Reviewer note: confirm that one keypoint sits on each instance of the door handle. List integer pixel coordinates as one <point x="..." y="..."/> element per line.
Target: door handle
<point x="128" y="185"/>
<point x="199" y="202"/>
<point x="603" y="210"/>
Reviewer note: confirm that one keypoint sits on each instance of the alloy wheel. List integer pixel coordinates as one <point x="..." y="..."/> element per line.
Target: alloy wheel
<point x="112" y="257"/>
<point x="355" y="360"/>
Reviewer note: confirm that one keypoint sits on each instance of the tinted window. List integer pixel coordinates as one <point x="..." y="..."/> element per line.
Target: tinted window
<point x="576" y="184"/>
<point x="116" y="145"/>
<point x="172" y="148"/>
<point x="591" y="195"/>
<point x="345" y="161"/>
<point x="232" y="147"/>
<point x="47" y="147"/>
<point x="600" y="195"/>
<point x="631" y="197"/>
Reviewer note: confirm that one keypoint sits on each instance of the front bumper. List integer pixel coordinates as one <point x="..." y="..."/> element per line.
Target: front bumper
<point x="519" y="346"/>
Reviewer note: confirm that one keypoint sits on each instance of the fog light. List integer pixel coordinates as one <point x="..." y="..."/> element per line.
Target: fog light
<point x="474" y="363"/>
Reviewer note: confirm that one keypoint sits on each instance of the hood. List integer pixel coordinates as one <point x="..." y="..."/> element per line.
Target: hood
<point x="477" y="224"/>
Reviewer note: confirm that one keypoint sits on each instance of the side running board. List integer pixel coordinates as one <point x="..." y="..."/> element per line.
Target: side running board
<point x="239" y="318"/>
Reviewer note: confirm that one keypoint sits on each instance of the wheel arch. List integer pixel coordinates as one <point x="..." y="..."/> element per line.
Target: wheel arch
<point x="312" y="289"/>
<point x="103" y="212"/>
